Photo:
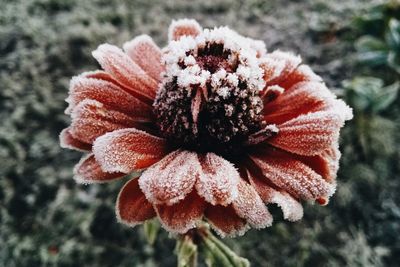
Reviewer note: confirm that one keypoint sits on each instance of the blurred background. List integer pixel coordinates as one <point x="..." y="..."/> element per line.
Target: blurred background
<point x="46" y="219"/>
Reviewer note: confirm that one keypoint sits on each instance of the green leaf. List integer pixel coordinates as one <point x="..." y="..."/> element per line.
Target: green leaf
<point x="393" y="34"/>
<point x="151" y="228"/>
<point x="218" y="254"/>
<point x="386" y="97"/>
<point x="369" y="43"/>
<point x="394" y="61"/>
<point x="186" y="251"/>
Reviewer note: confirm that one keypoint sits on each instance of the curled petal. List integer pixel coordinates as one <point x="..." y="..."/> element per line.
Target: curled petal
<point x="218" y="180"/>
<point x="125" y="70"/>
<point x="291" y="208"/>
<point x="127" y="150"/>
<point x="182" y="216"/>
<point x="309" y="134"/>
<point x="183" y="27"/>
<point x="278" y="65"/>
<point x="132" y="207"/>
<point x="171" y="179"/>
<point x="303" y="98"/>
<point x="108" y="93"/>
<point x="68" y="141"/>
<point x="225" y="221"/>
<point x="291" y="175"/>
<point x="146" y="54"/>
<point x="249" y="205"/>
<point x="91" y="119"/>
<point x="88" y="171"/>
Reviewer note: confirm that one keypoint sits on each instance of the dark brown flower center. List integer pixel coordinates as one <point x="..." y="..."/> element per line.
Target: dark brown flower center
<point x="208" y="105"/>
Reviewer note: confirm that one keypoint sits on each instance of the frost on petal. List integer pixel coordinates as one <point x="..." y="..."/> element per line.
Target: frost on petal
<point x="291" y="208"/>
<point x="303" y="98"/>
<point x="88" y="171"/>
<point x="309" y="134"/>
<point x="127" y="150"/>
<point x="171" y="179"/>
<point x="91" y="119"/>
<point x="132" y="207"/>
<point x="146" y="54"/>
<point x="301" y="74"/>
<point x="182" y="216"/>
<point x="68" y="141"/>
<point x="183" y="27"/>
<point x="114" y="61"/>
<point x="278" y="65"/>
<point x="249" y="205"/>
<point x="218" y="181"/>
<point x="108" y="93"/>
<point x="289" y="174"/>
<point x="225" y="221"/>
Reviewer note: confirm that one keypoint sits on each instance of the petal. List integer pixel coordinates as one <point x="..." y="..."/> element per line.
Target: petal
<point x="305" y="97"/>
<point x="291" y="208"/>
<point x="88" y="171"/>
<point x="182" y="216"/>
<point x="171" y="179"/>
<point x="146" y="54"/>
<point x="249" y="205"/>
<point x="301" y="74"/>
<point x="110" y="94"/>
<point x="68" y="141"/>
<point x="218" y="180"/>
<point x="114" y="61"/>
<point x="183" y="27"/>
<point x="91" y="119"/>
<point x="225" y="221"/>
<point x="132" y="207"/>
<point x="127" y="150"/>
<point x="291" y="175"/>
<point x="278" y="65"/>
<point x="309" y="134"/>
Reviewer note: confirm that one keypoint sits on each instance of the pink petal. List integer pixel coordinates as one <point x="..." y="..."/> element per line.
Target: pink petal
<point x="225" y="221"/>
<point x="303" y="98"/>
<point x="301" y="74"/>
<point x="68" y="141"/>
<point x="91" y="119"/>
<point x="109" y="94"/>
<point x="132" y="207"/>
<point x="88" y="171"/>
<point x="291" y="208"/>
<point x="171" y="179"/>
<point x="146" y="54"/>
<point x="249" y="205"/>
<point x="309" y="134"/>
<point x="182" y="216"/>
<point x="218" y="180"/>
<point x="278" y="65"/>
<point x="183" y="27"/>
<point x="114" y="61"/>
<point x="127" y="150"/>
<point x="291" y="175"/>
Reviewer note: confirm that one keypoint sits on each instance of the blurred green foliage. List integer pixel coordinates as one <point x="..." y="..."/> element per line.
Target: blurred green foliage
<point x="48" y="220"/>
<point x="380" y="44"/>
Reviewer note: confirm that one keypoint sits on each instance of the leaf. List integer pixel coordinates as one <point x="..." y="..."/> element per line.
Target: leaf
<point x="368" y="43"/>
<point x="386" y="97"/>
<point x="393" y="34"/>
<point x="218" y="254"/>
<point x="394" y="60"/>
<point x="151" y="228"/>
<point x="186" y="251"/>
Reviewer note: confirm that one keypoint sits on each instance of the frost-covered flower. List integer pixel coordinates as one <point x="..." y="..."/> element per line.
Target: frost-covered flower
<point x="217" y="127"/>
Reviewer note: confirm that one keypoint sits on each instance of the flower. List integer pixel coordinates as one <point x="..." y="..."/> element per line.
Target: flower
<point x="217" y="127"/>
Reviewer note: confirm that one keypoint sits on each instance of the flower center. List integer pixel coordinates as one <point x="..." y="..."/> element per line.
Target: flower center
<point x="210" y="96"/>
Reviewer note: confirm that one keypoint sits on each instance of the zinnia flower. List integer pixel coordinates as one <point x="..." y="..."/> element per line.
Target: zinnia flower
<point x="217" y="127"/>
